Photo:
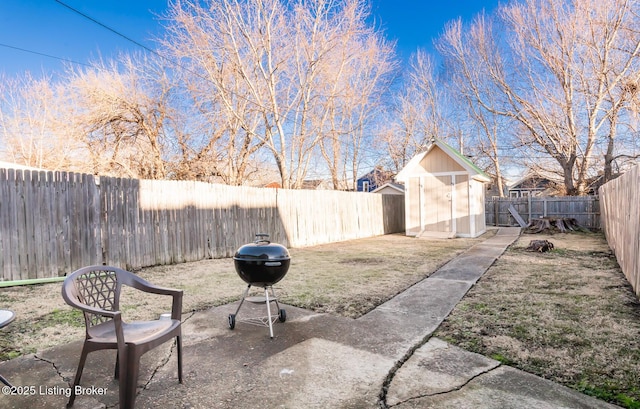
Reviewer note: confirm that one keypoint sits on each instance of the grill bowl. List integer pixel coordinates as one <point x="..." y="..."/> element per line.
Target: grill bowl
<point x="262" y="263"/>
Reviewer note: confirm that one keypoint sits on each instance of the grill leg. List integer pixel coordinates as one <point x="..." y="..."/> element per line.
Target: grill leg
<point x="242" y="300"/>
<point x="266" y="298"/>
<point x="273" y="293"/>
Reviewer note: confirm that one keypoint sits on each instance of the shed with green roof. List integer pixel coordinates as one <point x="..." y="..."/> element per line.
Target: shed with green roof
<point x="444" y="194"/>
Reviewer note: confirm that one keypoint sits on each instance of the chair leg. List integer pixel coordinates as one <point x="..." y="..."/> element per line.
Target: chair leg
<point x="116" y="373"/>
<point x="6" y="382"/>
<point x="76" y="381"/>
<point x="179" y="347"/>
<point x="123" y="375"/>
<point x="129" y="382"/>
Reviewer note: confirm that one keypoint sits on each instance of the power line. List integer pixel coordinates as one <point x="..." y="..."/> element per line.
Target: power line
<point x="107" y="27"/>
<point x="372" y="152"/>
<point x="176" y="63"/>
<point x="42" y="54"/>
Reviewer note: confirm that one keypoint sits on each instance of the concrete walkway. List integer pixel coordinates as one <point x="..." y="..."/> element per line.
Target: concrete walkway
<point x="385" y="359"/>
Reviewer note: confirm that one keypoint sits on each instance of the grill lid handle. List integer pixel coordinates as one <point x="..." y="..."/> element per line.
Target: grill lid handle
<point x="262" y="238"/>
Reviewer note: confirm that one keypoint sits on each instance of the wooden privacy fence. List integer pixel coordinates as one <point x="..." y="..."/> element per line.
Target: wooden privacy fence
<point x="621" y="222"/>
<point x="585" y="209"/>
<point x="52" y="223"/>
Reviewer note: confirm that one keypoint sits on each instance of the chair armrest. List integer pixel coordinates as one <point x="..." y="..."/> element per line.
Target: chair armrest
<point x="95" y="310"/>
<point x="143" y="285"/>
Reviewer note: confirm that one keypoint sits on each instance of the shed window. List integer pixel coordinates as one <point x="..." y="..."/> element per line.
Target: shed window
<point x="365" y="185"/>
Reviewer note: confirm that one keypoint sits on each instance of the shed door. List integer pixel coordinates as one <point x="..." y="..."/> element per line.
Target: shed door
<point x="461" y="205"/>
<point x="436" y="210"/>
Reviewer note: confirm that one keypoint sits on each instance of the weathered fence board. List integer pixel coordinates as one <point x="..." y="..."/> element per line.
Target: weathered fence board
<point x="52" y="223"/>
<point x="585" y="209"/>
<point x="621" y="220"/>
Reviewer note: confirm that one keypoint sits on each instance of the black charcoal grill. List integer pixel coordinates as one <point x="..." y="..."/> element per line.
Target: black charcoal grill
<point x="261" y="264"/>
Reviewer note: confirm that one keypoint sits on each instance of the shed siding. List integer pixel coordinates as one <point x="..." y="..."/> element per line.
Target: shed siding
<point x="477" y="207"/>
<point x="438" y="161"/>
<point x="412" y="203"/>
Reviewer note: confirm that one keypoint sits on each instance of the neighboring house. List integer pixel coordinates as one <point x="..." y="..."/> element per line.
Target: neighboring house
<point x="493" y="191"/>
<point x="370" y="181"/>
<point x="532" y="185"/>
<point x="390" y="188"/>
<point x="595" y="183"/>
<point x="317" y="184"/>
<point x="444" y="193"/>
<point x="537" y="185"/>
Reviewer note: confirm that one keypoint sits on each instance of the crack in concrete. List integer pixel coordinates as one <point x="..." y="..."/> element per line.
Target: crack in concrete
<point x="453" y="389"/>
<point x="382" y="401"/>
<point x="160" y="366"/>
<point x="167" y="358"/>
<point x="53" y="364"/>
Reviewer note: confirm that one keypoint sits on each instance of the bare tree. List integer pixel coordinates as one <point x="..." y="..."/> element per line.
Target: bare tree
<point x="552" y="72"/>
<point x="365" y="61"/>
<point x="120" y="110"/>
<point x="586" y="49"/>
<point x="285" y="63"/>
<point x="470" y="82"/>
<point x="417" y="115"/>
<point x="30" y="120"/>
<point x="224" y="117"/>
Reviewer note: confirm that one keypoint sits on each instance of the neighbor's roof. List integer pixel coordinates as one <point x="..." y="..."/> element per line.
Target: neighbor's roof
<point x="474" y="171"/>
<point x="9" y="165"/>
<point x="540" y="176"/>
<point x="396" y="186"/>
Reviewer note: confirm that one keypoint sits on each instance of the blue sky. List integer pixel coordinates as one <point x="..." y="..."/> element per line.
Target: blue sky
<point x="47" y="27"/>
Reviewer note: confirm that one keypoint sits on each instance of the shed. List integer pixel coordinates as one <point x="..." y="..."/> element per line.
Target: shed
<point x="390" y="188"/>
<point x="444" y="193"/>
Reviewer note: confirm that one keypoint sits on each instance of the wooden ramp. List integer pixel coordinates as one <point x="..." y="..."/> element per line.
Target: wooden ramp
<point x="517" y="216"/>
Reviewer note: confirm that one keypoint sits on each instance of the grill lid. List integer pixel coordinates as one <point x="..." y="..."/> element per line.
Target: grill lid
<point x="262" y="249"/>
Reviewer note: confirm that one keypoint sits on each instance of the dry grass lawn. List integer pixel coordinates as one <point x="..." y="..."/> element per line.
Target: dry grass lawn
<point x="347" y="278"/>
<point x="567" y="315"/>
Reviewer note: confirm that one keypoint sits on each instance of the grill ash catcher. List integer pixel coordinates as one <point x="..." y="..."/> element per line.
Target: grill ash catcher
<point x="261" y="264"/>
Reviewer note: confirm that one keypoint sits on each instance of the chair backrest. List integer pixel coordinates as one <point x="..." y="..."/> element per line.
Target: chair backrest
<point x="94" y="286"/>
